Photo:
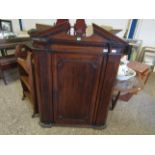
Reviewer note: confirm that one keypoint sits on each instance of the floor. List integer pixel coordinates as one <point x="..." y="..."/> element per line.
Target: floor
<point x="135" y="117"/>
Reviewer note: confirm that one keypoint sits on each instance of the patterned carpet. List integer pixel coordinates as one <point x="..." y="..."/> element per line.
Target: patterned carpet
<point x="135" y="117"/>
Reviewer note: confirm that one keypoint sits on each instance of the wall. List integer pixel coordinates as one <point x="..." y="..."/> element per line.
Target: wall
<point x="15" y="25"/>
<point x="146" y="32"/>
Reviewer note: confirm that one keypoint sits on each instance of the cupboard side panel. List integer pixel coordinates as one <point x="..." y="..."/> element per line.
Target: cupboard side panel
<point x="106" y="92"/>
<point x="44" y="86"/>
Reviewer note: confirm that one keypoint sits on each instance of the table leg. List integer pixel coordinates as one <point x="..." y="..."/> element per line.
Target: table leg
<point x="114" y="101"/>
<point x="6" y="52"/>
<point x="3" y="77"/>
<point x="3" y="52"/>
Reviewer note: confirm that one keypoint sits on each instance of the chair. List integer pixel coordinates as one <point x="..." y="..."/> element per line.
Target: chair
<point x="6" y="63"/>
<point x="80" y="28"/>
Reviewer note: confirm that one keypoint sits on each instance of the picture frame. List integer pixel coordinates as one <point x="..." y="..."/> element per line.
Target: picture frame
<point x="6" y="26"/>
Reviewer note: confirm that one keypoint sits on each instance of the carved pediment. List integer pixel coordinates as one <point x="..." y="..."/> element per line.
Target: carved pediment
<point x="61" y="35"/>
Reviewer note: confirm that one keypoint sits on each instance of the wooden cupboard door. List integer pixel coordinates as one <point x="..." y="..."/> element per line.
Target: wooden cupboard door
<point x="75" y="83"/>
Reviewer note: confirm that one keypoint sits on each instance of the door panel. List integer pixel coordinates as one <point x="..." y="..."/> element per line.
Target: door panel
<point x="75" y="80"/>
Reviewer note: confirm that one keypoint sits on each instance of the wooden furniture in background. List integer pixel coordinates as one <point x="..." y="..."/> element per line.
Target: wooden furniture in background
<point x="26" y="71"/>
<point x="143" y="71"/>
<point x="7" y="62"/>
<point x="80" y="28"/>
<point x="7" y="44"/>
<point x="124" y="90"/>
<point x="75" y="75"/>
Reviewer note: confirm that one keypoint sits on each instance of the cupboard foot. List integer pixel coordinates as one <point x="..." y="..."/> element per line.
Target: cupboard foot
<point x="35" y="115"/>
<point x="23" y="97"/>
<point x="45" y="125"/>
<point x="99" y="127"/>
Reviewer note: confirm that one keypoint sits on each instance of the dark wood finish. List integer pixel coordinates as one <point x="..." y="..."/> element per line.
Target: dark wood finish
<point x="44" y="86"/>
<point x="107" y="87"/>
<point x="26" y="71"/>
<point x="75" y="76"/>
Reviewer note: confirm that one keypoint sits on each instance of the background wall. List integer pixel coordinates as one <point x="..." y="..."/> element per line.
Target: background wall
<point x="146" y="32"/>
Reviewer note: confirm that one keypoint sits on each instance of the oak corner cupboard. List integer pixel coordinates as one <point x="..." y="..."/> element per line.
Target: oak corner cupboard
<point x="75" y="75"/>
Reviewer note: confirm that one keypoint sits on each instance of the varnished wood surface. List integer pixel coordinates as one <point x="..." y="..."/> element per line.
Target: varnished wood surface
<point x="107" y="87"/>
<point x="78" y="76"/>
<point x="74" y="78"/>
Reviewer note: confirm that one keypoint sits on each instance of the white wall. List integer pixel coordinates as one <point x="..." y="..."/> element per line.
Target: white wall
<point x="15" y="25"/>
<point x="146" y="32"/>
<point x="30" y="23"/>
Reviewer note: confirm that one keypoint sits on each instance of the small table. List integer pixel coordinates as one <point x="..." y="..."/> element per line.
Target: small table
<point x="143" y="71"/>
<point x="124" y="90"/>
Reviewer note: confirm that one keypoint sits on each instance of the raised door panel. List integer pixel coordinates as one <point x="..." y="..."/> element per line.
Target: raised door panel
<point x="75" y="83"/>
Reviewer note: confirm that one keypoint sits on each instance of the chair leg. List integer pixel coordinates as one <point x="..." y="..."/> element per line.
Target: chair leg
<point x="3" y="77"/>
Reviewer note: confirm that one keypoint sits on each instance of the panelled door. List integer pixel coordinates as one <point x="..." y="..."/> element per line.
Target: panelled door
<point x="75" y="84"/>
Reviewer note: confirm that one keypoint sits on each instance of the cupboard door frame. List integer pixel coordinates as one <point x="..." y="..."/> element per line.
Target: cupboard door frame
<point x="59" y="60"/>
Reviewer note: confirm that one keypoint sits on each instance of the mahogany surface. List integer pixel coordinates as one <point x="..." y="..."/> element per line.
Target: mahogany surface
<point x="75" y="76"/>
